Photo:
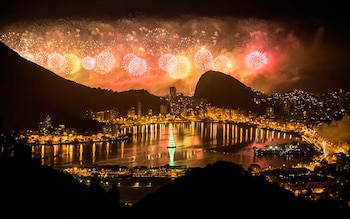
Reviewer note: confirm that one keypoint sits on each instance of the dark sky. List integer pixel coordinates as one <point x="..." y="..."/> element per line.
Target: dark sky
<point x="319" y="29"/>
<point x="112" y="8"/>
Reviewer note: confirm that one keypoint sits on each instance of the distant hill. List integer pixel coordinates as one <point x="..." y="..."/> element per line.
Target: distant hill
<point x="225" y="91"/>
<point x="30" y="93"/>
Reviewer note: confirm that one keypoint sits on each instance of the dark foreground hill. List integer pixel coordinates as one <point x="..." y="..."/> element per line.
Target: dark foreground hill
<point x="30" y="93"/>
<point x="225" y="189"/>
<point x="218" y="190"/>
<point x="36" y="191"/>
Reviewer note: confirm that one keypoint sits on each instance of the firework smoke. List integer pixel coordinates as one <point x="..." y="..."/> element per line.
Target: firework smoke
<point x="155" y="54"/>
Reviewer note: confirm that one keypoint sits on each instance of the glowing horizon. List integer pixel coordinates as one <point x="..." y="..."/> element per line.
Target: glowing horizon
<point x="155" y="54"/>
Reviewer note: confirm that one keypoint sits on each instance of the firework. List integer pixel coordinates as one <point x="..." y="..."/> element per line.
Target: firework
<point x="56" y="62"/>
<point x="203" y="60"/>
<point x="222" y="64"/>
<point x="149" y="47"/>
<point x="72" y="64"/>
<point x="27" y="55"/>
<point x="40" y="58"/>
<point x="157" y="41"/>
<point x="105" y="62"/>
<point x="126" y="60"/>
<point x="88" y="62"/>
<point x="137" y="66"/>
<point x="182" y="69"/>
<point x="256" y="60"/>
<point x="167" y="62"/>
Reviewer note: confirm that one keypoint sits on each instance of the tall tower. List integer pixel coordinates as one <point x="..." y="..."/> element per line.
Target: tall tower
<point x="171" y="146"/>
<point x="139" y="109"/>
<point x="172" y="93"/>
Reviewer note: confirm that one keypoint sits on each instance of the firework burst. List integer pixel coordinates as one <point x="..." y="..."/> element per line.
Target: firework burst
<point x="255" y="60"/>
<point x="142" y="47"/>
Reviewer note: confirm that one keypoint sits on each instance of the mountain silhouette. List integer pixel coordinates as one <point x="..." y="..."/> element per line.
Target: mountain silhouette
<point x="221" y="189"/>
<point x="31" y="92"/>
<point x="222" y="90"/>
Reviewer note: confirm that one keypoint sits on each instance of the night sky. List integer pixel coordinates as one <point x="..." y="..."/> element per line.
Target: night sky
<point x="120" y="45"/>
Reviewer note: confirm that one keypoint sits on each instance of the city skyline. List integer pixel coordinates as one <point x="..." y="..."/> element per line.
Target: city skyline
<point x="68" y="138"/>
<point x="147" y="51"/>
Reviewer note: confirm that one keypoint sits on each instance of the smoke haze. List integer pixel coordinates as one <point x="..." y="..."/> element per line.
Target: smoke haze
<point x="294" y="58"/>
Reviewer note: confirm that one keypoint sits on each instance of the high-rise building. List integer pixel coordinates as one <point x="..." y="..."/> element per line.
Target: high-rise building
<point x="89" y="114"/>
<point x="139" y="114"/>
<point x="114" y="113"/>
<point x="45" y="127"/>
<point x="100" y="116"/>
<point x="131" y="112"/>
<point x="172" y="93"/>
<point x="270" y="111"/>
<point x="342" y="163"/>
<point x="149" y="112"/>
<point x="163" y="109"/>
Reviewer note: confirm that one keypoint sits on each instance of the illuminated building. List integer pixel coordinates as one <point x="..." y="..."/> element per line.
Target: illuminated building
<point x="131" y="112"/>
<point x="342" y="163"/>
<point x="45" y="127"/>
<point x="269" y="112"/>
<point x="139" y="114"/>
<point x="172" y="94"/>
<point x="163" y="109"/>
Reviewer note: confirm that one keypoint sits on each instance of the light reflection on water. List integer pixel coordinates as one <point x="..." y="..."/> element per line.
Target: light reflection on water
<point x="195" y="144"/>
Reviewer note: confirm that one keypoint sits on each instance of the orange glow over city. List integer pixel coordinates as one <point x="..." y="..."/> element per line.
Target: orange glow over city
<point x="154" y="54"/>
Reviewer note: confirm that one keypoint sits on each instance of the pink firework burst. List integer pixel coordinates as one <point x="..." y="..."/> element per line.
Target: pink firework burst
<point x="137" y="66"/>
<point x="105" y="62"/>
<point x="88" y="63"/>
<point x="203" y="59"/>
<point x="56" y="62"/>
<point x="167" y="62"/>
<point x="126" y="60"/>
<point x="256" y="60"/>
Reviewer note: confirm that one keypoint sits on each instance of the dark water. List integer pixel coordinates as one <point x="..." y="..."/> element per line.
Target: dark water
<point x="194" y="144"/>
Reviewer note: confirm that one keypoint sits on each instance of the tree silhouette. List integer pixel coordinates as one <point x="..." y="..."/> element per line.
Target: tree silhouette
<point x="113" y="194"/>
<point x="14" y="145"/>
